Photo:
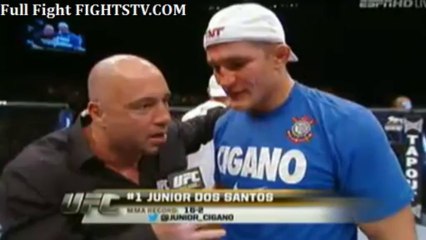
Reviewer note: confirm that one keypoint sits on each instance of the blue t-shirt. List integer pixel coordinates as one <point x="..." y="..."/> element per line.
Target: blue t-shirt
<point x="333" y="144"/>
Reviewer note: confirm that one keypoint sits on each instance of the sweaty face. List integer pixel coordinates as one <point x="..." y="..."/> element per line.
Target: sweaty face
<point x="139" y="116"/>
<point x="244" y="70"/>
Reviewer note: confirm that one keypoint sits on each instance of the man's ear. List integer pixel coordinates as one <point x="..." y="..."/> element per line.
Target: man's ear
<point x="96" y="113"/>
<point x="282" y="54"/>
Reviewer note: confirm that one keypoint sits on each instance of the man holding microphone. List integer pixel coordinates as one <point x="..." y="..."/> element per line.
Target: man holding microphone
<point x="125" y="140"/>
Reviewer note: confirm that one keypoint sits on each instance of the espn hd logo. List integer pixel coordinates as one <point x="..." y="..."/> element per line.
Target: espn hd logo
<point x="392" y="4"/>
<point x="190" y="178"/>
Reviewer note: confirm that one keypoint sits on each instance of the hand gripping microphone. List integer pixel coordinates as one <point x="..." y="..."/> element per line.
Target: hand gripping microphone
<point x="188" y="179"/>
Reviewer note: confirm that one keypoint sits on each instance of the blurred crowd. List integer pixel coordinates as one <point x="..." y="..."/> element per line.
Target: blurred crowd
<point x="76" y="97"/>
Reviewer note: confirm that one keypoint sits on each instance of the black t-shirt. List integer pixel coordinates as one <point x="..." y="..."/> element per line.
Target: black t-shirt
<point x="34" y="183"/>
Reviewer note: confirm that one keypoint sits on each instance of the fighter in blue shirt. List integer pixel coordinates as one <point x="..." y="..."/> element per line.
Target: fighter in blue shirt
<point x="284" y="135"/>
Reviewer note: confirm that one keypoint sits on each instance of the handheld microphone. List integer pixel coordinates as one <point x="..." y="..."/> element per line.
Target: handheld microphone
<point x="190" y="179"/>
<point x="187" y="179"/>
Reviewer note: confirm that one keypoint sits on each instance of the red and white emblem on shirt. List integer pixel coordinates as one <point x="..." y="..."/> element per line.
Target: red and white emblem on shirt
<point x="301" y="131"/>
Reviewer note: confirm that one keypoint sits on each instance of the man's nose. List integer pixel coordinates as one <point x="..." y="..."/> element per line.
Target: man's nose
<point x="226" y="79"/>
<point x="163" y="115"/>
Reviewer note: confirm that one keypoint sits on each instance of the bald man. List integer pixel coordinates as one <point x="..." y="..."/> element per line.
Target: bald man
<point x="402" y="102"/>
<point x="45" y="39"/>
<point x="129" y="142"/>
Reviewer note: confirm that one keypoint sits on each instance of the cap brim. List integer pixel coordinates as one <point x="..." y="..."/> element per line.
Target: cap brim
<point x="217" y="93"/>
<point x="293" y="57"/>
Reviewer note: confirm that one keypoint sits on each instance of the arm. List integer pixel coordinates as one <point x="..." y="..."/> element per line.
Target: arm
<point x="369" y="169"/>
<point x="199" y="130"/>
<point x="186" y="232"/>
<point x="398" y="226"/>
<point x="27" y="214"/>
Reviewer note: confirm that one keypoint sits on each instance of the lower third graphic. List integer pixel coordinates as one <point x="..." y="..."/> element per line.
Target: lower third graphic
<point x="152" y="217"/>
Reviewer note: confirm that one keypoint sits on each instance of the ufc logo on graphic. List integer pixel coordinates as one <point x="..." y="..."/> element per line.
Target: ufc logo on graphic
<point x="214" y="32"/>
<point x="74" y="203"/>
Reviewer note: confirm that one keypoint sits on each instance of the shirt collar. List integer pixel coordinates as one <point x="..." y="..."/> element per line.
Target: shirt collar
<point x="79" y="148"/>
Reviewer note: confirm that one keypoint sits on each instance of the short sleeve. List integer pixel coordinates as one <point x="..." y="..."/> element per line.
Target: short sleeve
<point x="369" y="168"/>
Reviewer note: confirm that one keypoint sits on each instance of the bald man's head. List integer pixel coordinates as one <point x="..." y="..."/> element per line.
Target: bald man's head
<point x="402" y="102"/>
<point x="129" y="100"/>
<point x="107" y="73"/>
<point x="48" y="30"/>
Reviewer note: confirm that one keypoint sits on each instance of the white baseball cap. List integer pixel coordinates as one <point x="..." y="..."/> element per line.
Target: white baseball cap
<point x="214" y="89"/>
<point x="245" y="22"/>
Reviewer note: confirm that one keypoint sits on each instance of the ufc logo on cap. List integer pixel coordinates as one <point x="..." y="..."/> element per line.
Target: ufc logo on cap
<point x="214" y="32"/>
